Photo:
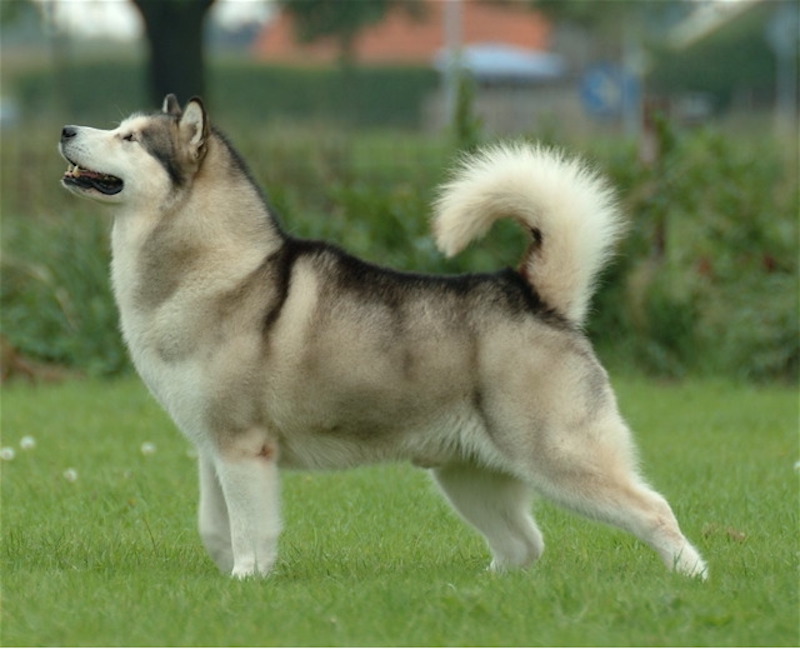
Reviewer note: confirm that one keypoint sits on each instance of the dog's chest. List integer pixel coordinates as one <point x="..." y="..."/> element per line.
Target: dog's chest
<point x="178" y="384"/>
<point x="161" y="344"/>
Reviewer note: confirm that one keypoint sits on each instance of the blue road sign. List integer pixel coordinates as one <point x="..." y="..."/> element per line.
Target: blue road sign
<point x="607" y="90"/>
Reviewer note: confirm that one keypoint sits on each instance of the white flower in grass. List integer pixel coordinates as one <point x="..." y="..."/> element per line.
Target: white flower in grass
<point x="148" y="448"/>
<point x="7" y="453"/>
<point x="797" y="465"/>
<point x="70" y="475"/>
<point x="27" y="443"/>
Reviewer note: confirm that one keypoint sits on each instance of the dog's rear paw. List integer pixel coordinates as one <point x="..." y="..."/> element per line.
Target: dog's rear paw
<point x="698" y="570"/>
<point x="691" y="564"/>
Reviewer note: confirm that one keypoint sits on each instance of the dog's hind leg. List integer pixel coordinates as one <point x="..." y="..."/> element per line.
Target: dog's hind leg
<point x="213" y="522"/>
<point x="248" y="473"/>
<point x="590" y="471"/>
<point x="498" y="505"/>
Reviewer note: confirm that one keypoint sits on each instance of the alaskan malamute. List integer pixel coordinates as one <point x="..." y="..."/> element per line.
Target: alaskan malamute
<point x="272" y="351"/>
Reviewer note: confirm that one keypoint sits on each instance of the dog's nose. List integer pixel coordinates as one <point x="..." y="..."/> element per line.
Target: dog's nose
<point x="68" y="132"/>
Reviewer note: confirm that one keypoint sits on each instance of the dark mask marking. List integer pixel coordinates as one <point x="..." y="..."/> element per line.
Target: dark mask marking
<point x="158" y="140"/>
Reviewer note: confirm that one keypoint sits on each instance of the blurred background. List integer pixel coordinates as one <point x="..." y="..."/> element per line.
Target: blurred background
<point x="350" y="112"/>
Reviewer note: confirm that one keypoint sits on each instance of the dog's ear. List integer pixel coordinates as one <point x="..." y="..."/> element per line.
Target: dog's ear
<point x="194" y="128"/>
<point x="171" y="105"/>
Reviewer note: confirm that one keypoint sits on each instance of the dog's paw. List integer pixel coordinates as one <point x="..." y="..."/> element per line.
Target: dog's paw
<point x="249" y="567"/>
<point x="698" y="570"/>
<point x="499" y="566"/>
<point x="690" y="563"/>
<point x="242" y="573"/>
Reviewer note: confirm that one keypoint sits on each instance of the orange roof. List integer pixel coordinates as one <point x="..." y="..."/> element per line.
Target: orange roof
<point x="401" y="38"/>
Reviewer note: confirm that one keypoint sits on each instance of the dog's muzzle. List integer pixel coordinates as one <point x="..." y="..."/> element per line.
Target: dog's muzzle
<point x="76" y="176"/>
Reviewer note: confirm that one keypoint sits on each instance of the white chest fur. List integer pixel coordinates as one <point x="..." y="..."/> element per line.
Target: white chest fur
<point x="157" y="338"/>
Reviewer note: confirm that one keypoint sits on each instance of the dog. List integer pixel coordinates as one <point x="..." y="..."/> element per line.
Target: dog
<point x="271" y="351"/>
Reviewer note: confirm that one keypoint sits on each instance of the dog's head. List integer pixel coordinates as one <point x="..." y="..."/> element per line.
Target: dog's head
<point x="146" y="158"/>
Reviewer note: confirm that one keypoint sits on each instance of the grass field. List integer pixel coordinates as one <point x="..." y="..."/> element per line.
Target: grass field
<point x="108" y="554"/>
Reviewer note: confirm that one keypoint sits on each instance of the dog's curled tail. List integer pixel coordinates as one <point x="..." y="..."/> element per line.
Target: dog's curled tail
<point x="569" y="210"/>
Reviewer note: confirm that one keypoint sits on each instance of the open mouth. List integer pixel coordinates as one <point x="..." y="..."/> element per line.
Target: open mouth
<point x="88" y="179"/>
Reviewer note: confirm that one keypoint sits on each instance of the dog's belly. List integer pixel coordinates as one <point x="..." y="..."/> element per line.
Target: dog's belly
<point x="444" y="438"/>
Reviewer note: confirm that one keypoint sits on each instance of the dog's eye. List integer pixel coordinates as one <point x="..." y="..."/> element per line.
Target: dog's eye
<point x="130" y="137"/>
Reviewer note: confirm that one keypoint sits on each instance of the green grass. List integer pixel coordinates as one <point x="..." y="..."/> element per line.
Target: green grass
<point x="373" y="556"/>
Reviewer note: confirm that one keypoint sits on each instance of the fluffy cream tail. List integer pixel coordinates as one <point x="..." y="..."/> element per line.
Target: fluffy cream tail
<point x="569" y="209"/>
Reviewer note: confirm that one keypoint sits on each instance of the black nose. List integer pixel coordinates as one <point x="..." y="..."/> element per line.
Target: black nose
<point x="68" y="132"/>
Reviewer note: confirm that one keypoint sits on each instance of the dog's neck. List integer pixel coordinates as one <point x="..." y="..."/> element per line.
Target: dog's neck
<point x="210" y="233"/>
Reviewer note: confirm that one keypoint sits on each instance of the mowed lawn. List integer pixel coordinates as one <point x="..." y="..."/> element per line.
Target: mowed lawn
<point x="99" y="545"/>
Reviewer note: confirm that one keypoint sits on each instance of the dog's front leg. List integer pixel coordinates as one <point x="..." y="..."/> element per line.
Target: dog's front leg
<point x="215" y="530"/>
<point x="248" y="474"/>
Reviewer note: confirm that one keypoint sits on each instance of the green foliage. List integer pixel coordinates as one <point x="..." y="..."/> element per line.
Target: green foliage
<point x="736" y="58"/>
<point x="468" y="126"/>
<point x="56" y="299"/>
<point x="385" y="96"/>
<point x="13" y="10"/>
<point x="707" y="279"/>
<point x="374" y="557"/>
<point x="76" y="97"/>
<point x="372" y="97"/>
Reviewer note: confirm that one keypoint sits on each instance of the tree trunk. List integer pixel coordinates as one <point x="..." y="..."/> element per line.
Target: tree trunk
<point x="174" y="31"/>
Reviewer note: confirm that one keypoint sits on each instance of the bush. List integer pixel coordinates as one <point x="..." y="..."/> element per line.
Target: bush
<point x="710" y="268"/>
<point x="56" y="299"/>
